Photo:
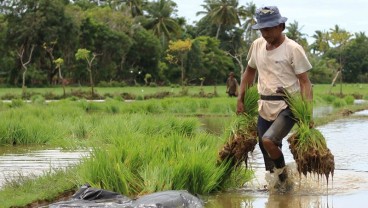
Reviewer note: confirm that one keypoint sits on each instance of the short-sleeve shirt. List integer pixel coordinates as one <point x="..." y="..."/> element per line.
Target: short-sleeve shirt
<point x="277" y="68"/>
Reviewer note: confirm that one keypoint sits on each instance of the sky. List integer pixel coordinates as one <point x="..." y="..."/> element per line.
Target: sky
<point x="311" y="15"/>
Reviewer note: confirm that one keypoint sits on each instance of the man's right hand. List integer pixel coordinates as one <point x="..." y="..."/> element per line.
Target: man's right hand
<point x="239" y="107"/>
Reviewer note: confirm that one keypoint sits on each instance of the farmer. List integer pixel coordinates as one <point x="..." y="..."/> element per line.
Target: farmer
<point x="232" y="85"/>
<point x="282" y="65"/>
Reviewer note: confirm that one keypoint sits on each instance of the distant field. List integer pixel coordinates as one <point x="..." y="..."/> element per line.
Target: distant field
<point x="319" y="89"/>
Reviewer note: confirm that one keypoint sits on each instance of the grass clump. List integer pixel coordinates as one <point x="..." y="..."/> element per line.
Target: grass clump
<point x="36" y="191"/>
<point x="307" y="144"/>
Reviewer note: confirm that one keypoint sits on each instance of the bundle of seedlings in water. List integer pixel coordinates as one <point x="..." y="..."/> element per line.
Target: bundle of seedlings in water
<point x="242" y="138"/>
<point x="307" y="144"/>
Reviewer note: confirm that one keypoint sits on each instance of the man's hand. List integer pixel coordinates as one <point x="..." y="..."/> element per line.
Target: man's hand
<point x="239" y="107"/>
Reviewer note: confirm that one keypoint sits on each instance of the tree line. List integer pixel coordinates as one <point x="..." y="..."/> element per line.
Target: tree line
<point x="140" y="42"/>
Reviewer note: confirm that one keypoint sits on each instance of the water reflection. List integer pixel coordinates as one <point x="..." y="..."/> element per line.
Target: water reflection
<point x="23" y="162"/>
<point x="322" y="111"/>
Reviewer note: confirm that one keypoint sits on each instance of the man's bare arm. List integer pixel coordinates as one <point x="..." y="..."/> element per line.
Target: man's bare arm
<point x="305" y="86"/>
<point x="246" y="82"/>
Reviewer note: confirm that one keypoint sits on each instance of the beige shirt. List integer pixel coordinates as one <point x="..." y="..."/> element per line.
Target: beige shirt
<point x="277" y="68"/>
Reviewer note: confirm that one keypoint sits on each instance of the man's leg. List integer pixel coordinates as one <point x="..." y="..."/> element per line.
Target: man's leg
<point x="262" y="127"/>
<point x="272" y="138"/>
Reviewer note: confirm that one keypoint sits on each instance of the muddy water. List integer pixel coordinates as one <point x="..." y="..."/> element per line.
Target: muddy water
<point x="16" y="162"/>
<point x="348" y="141"/>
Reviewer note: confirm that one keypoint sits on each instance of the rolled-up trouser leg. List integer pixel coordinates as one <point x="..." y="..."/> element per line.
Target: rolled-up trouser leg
<point x="275" y="131"/>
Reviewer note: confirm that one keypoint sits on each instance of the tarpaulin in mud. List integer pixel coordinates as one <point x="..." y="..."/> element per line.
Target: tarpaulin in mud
<point x="92" y="197"/>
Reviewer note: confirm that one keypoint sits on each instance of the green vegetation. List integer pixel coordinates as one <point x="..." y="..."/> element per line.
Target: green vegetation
<point x="307" y="144"/>
<point x="145" y="43"/>
<point x="138" y="147"/>
<point x="38" y="191"/>
<point x="242" y="137"/>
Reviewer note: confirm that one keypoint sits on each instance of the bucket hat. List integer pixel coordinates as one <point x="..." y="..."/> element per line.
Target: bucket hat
<point x="268" y="16"/>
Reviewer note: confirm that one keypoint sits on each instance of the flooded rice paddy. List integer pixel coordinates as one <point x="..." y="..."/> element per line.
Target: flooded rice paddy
<point x="16" y="162"/>
<point x="348" y="141"/>
<point x="347" y="138"/>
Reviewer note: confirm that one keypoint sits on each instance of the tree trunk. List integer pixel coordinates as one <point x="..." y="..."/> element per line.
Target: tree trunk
<point x="333" y="81"/>
<point x="91" y="83"/>
<point x="218" y="31"/>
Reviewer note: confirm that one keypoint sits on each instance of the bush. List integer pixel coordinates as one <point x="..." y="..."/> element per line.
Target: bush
<point x="153" y="84"/>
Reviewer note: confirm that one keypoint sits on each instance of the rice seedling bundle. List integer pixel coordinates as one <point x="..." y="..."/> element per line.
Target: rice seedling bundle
<point x="242" y="138"/>
<point x="307" y="144"/>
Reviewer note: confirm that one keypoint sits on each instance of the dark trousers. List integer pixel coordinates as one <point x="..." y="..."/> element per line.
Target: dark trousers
<point x="275" y="131"/>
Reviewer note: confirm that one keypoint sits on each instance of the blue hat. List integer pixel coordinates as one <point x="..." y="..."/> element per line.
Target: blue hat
<point x="268" y="16"/>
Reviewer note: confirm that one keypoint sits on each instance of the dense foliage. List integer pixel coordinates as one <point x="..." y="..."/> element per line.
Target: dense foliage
<point x="131" y="42"/>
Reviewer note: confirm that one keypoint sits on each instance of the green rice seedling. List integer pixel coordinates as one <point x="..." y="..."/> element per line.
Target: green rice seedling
<point x="112" y="106"/>
<point x="38" y="99"/>
<point x="329" y="98"/>
<point x="141" y="161"/>
<point x="251" y="101"/>
<point x="307" y="144"/>
<point x="153" y="107"/>
<point x="139" y="97"/>
<point x="24" y="190"/>
<point x="204" y="104"/>
<point x="339" y="102"/>
<point x="118" y="98"/>
<point x="89" y="106"/>
<point x="19" y="129"/>
<point x="349" y="99"/>
<point x="16" y="103"/>
<point x="242" y="138"/>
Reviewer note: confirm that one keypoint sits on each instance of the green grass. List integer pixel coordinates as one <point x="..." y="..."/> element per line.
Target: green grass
<point x="319" y="89"/>
<point x="45" y="189"/>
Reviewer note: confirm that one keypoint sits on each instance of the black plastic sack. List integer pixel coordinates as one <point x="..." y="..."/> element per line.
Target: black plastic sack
<point x="92" y="197"/>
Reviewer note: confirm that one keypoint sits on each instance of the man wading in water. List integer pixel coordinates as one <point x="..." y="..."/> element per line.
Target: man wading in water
<point x="282" y="65"/>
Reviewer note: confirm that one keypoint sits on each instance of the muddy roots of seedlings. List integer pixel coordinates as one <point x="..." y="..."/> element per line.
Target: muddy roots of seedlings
<point x="311" y="159"/>
<point x="238" y="146"/>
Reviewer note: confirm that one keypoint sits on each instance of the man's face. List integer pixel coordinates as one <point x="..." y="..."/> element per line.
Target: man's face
<point x="272" y="34"/>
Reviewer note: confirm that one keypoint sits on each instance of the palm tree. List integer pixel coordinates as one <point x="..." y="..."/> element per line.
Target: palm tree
<point x="222" y="12"/>
<point x="249" y="20"/>
<point x="321" y="43"/>
<point x="160" y="20"/>
<point x="135" y="7"/>
<point x="293" y="32"/>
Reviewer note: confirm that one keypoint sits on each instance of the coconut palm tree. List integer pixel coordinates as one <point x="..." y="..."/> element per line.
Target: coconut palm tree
<point x="222" y="12"/>
<point x="135" y="7"/>
<point x="160" y="19"/>
<point x="249" y="20"/>
<point x="293" y="32"/>
<point x="321" y="43"/>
